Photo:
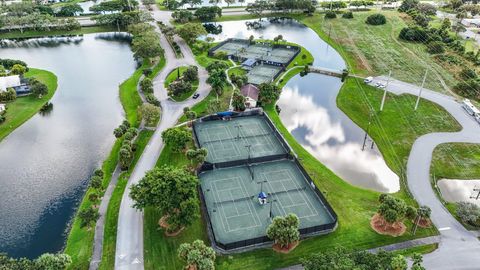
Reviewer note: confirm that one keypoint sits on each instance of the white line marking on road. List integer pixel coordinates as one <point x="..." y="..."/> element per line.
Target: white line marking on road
<point x="444" y="229"/>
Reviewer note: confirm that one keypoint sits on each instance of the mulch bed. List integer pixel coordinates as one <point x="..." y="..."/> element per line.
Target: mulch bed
<point x="424" y="223"/>
<point x="287" y="249"/>
<point x="379" y="225"/>
<point x="163" y="223"/>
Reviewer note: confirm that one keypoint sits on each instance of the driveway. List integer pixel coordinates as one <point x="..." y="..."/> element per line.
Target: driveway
<point x="459" y="248"/>
<point x="129" y="249"/>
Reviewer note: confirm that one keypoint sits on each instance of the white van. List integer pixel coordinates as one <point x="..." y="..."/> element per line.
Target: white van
<point x="368" y="80"/>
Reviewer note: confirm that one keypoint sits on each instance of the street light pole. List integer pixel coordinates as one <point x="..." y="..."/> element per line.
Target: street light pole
<point x="385" y="91"/>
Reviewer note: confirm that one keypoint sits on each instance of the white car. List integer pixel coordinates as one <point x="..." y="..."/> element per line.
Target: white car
<point x="368" y="80"/>
<point x="380" y="85"/>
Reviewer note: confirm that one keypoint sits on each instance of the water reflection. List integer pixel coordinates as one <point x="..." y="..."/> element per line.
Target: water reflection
<point x="453" y="190"/>
<point x="46" y="162"/>
<point x="310" y="113"/>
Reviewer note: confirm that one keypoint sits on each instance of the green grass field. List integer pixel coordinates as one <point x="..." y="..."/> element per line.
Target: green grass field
<point x="23" y="108"/>
<point x="456" y="161"/>
<point x="375" y="50"/>
<point x="173" y="76"/>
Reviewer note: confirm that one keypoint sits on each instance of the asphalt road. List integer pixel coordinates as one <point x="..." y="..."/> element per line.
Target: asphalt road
<point x="459" y="248"/>
<point x="129" y="249"/>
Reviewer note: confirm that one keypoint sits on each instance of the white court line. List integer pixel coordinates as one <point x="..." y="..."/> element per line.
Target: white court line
<point x="221" y="206"/>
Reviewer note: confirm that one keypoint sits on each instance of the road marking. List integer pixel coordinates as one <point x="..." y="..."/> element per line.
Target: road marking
<point x="136" y="261"/>
<point x="444" y="229"/>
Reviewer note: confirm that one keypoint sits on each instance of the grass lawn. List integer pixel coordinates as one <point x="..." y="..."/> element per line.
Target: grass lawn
<point x="111" y="220"/>
<point x="32" y="34"/>
<point x="374" y="50"/>
<point x="201" y="108"/>
<point x="456" y="161"/>
<point x="23" y="108"/>
<point x="398" y="125"/>
<point x="173" y="76"/>
<point x="238" y="70"/>
<point x="408" y="252"/>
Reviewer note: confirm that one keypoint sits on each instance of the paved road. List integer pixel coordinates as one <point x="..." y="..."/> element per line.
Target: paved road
<point x="459" y="248"/>
<point x="129" y="249"/>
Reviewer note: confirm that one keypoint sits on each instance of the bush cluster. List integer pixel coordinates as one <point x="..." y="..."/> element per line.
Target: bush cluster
<point x="376" y="19"/>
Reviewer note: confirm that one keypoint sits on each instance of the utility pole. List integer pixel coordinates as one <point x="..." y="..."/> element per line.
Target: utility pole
<point x="420" y="93"/>
<point x="368" y="129"/>
<point x="385" y="91"/>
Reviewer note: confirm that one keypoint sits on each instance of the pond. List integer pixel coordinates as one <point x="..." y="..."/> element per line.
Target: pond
<point x="47" y="162"/>
<point x="309" y="110"/>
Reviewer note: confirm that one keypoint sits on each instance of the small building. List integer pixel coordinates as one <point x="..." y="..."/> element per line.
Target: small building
<point x="250" y="92"/>
<point x="249" y="63"/>
<point x="9" y="82"/>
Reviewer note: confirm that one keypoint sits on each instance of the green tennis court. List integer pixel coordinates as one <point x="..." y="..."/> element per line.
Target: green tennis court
<point x="263" y="74"/>
<point x="238" y="139"/>
<point x="237" y="217"/>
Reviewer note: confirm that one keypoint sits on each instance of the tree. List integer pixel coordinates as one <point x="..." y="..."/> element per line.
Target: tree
<point x="268" y="93"/>
<point x="50" y="261"/>
<point x="330" y="14"/>
<point x="191" y="74"/>
<point x="69" y="10"/>
<point x="197" y="255"/>
<point x="9" y="95"/>
<point x="469" y="213"/>
<point x="426" y="9"/>
<point x="191" y="31"/>
<point x="408" y="5"/>
<point x="179" y="87"/>
<point x="196" y="155"/>
<point x="177" y="138"/>
<point x="208" y="13"/>
<point x="258" y="7"/>
<point x="376" y="19"/>
<point x="98" y="172"/>
<point x="191" y="115"/>
<point x="118" y="132"/>
<point x="417" y="262"/>
<point x="392" y="209"/>
<point x="95" y="182"/>
<point x="238" y="101"/>
<point x="284" y="230"/>
<point x="18" y="69"/>
<point x="399" y="263"/>
<point x="150" y="113"/>
<point x="147" y="45"/>
<point x="214" y="106"/>
<point x="139" y="29"/>
<point x="411" y="212"/>
<point x="146" y="85"/>
<point x="173" y="191"/>
<point x="88" y="216"/>
<point x="38" y="88"/>
<point x="125" y="155"/>
<point x="182" y="16"/>
<point x="107" y="6"/>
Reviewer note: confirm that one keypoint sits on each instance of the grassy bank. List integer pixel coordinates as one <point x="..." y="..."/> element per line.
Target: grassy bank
<point x="456" y="161"/>
<point x="23" y="108"/>
<point x="81" y="31"/>
<point x="375" y="50"/>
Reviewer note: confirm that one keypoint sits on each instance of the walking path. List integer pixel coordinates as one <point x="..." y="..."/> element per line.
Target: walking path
<point x="459" y="248"/>
<point x="129" y="250"/>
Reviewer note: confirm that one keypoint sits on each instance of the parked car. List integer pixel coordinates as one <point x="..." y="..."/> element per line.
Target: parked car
<point x="368" y="80"/>
<point x="196" y="95"/>
<point x="380" y="85"/>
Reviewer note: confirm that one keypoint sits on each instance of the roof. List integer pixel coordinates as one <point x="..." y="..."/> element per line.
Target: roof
<point x="249" y="62"/>
<point x="9" y="81"/>
<point x="250" y="90"/>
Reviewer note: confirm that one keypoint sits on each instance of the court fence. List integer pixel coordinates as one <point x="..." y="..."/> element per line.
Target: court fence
<point x="253" y="242"/>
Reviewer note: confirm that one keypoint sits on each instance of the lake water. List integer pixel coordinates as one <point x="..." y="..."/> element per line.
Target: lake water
<point x="46" y="162"/>
<point x="456" y="190"/>
<point x="310" y="113"/>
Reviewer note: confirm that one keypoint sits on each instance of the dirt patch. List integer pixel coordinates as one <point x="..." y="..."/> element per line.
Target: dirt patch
<point x="287" y="249"/>
<point x="424" y="223"/>
<point x="163" y="224"/>
<point x="379" y="225"/>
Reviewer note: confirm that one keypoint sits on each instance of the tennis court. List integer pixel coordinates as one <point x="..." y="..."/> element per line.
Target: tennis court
<point x="263" y="74"/>
<point x="237" y="217"/>
<point x="238" y="139"/>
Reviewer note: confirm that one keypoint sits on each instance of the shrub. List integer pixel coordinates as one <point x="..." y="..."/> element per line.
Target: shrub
<point x="146" y="85"/>
<point x="468" y="73"/>
<point x="330" y="15"/>
<point x="347" y="15"/>
<point x="376" y="19"/>
<point x="88" y="216"/>
<point x="435" y="47"/>
<point x="152" y="99"/>
<point x="469" y="213"/>
<point x="414" y="33"/>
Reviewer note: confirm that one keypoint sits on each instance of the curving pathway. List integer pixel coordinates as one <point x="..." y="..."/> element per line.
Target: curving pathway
<point x="459" y="248"/>
<point x="129" y="249"/>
